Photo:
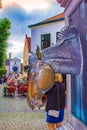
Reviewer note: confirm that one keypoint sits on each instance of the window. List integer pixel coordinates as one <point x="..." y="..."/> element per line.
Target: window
<point x="57" y="33"/>
<point x="45" y="41"/>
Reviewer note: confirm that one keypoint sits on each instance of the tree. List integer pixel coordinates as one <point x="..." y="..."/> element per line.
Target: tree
<point x="5" y="26"/>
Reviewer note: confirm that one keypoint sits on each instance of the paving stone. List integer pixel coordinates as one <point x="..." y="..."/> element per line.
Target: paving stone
<point x="15" y="114"/>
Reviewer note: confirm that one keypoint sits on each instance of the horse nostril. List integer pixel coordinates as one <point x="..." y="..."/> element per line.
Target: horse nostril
<point x="31" y="104"/>
<point x="32" y="107"/>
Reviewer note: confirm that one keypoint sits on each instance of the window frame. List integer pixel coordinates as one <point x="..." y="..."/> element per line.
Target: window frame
<point x="46" y="39"/>
<point x="57" y="33"/>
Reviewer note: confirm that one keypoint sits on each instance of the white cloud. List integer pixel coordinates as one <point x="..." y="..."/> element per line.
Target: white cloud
<point x="16" y="49"/>
<point x="29" y="5"/>
<point x="20" y="22"/>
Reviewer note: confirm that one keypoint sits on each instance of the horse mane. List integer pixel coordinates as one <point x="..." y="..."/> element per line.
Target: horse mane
<point x="66" y="33"/>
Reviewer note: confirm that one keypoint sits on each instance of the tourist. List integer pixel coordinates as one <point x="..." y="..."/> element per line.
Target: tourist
<point x="55" y="104"/>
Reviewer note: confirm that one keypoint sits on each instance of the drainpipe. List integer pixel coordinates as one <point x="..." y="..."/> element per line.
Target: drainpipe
<point x="68" y="98"/>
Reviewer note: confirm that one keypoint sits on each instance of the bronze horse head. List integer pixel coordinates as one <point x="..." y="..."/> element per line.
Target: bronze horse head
<point x="59" y="58"/>
<point x="41" y="79"/>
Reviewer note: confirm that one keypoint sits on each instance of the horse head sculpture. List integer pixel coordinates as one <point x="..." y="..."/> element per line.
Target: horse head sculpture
<point x="41" y="79"/>
<point x="59" y="58"/>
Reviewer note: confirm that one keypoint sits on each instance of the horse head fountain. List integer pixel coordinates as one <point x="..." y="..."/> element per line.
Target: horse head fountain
<point x="59" y="58"/>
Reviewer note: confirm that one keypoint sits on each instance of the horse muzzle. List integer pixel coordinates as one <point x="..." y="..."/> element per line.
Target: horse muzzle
<point x="31" y="103"/>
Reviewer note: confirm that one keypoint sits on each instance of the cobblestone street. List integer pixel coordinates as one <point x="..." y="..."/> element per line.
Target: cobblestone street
<point x="16" y="115"/>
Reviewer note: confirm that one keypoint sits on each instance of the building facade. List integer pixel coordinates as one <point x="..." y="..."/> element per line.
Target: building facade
<point x="75" y="15"/>
<point x="27" y="50"/>
<point x="13" y="65"/>
<point x="45" y="33"/>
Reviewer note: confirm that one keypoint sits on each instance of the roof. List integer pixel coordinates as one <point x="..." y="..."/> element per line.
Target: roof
<point x="15" y="59"/>
<point x="7" y="62"/>
<point x="56" y="18"/>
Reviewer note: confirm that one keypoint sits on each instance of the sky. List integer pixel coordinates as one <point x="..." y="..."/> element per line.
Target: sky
<point x="22" y="13"/>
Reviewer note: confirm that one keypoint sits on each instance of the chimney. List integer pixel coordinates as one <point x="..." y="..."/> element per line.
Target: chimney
<point x="10" y="55"/>
<point x="26" y="35"/>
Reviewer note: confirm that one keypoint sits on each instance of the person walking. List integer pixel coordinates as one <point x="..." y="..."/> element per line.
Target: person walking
<point x="55" y="104"/>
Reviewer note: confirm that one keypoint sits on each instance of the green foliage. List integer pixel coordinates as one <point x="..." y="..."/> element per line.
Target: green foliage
<point x="2" y="72"/>
<point x="5" y="26"/>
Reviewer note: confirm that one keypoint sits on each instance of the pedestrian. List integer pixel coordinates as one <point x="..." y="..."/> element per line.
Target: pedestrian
<point x="4" y="89"/>
<point x="55" y="104"/>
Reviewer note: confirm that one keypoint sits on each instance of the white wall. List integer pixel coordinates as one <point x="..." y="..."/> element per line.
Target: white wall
<point x="18" y="64"/>
<point x="36" y="33"/>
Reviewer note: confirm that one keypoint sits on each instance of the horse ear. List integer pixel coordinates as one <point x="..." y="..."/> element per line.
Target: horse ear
<point x="38" y="53"/>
